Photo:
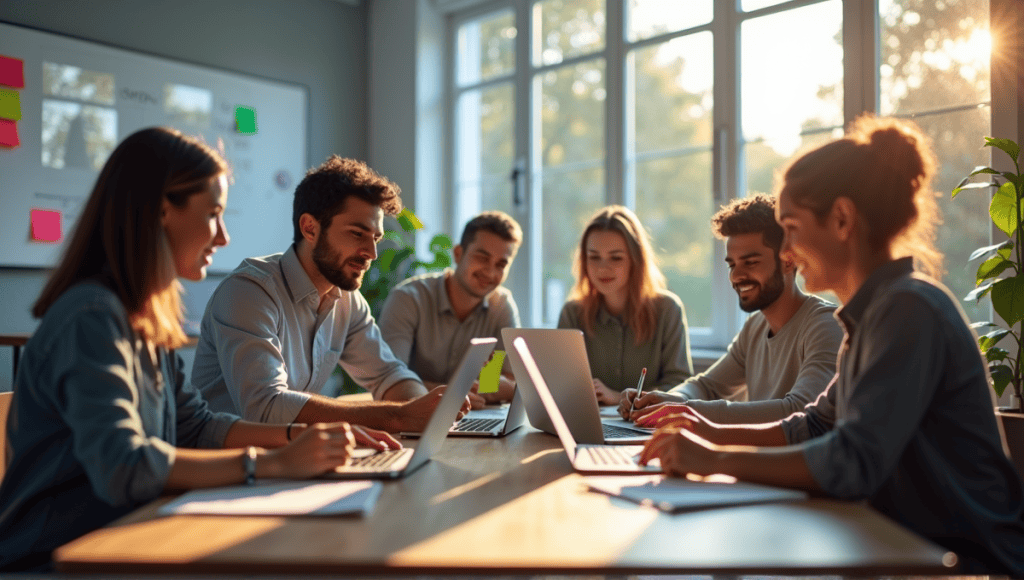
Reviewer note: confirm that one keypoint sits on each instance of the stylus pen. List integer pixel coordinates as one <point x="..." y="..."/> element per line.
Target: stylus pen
<point x="639" y="389"/>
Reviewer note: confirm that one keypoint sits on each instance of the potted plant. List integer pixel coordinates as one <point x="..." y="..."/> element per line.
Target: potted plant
<point x="1001" y="277"/>
<point x="395" y="263"/>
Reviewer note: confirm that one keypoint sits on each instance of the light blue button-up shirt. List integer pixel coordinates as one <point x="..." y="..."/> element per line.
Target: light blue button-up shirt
<point x="267" y="344"/>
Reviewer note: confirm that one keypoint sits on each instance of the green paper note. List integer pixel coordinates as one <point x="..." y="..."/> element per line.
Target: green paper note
<point x="10" y="105"/>
<point x="245" y="120"/>
<point x="491" y="372"/>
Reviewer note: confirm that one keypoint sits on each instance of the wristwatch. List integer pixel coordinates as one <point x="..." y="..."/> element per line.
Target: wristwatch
<point x="249" y="464"/>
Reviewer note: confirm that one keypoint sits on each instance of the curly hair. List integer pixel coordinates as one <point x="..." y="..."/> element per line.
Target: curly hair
<point x="754" y="214"/>
<point x="323" y="191"/>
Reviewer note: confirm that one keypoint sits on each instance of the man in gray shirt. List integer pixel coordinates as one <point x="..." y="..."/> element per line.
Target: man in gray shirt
<point x="428" y="320"/>
<point x="785" y="354"/>
<point x="276" y="328"/>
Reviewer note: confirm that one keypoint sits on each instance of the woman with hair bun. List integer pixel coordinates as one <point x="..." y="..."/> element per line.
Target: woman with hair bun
<point x="907" y="423"/>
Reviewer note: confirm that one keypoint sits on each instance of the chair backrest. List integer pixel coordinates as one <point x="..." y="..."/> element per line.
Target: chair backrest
<point x="5" y="406"/>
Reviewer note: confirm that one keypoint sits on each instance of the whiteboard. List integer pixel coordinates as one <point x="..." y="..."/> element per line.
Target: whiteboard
<point x="80" y="99"/>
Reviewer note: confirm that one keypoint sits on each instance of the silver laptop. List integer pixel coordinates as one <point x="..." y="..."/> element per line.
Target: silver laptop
<point x="492" y="422"/>
<point x="596" y="459"/>
<point x="561" y="354"/>
<point x="368" y="464"/>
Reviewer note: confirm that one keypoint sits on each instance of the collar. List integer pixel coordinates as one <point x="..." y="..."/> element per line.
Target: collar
<point x="299" y="284"/>
<point x="444" y="304"/>
<point x="852" y="312"/>
<point x="605" y="317"/>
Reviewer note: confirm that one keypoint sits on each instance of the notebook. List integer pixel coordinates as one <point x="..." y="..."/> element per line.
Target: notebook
<point x="585" y="458"/>
<point x="279" y="498"/>
<point x="397" y="463"/>
<point x="675" y="495"/>
<point x="561" y="355"/>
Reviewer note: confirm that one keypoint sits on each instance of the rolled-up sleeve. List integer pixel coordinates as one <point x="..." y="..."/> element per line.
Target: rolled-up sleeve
<point x="367" y="358"/>
<point x="244" y="322"/>
<point x="895" y="377"/>
<point x="94" y="368"/>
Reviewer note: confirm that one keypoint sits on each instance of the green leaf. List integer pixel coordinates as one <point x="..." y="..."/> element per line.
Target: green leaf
<point x="989" y="340"/>
<point x="440" y="243"/>
<point x="1001" y="376"/>
<point x="1003" y="208"/>
<point x="992" y="267"/>
<point x="983" y="185"/>
<point x="1008" y="146"/>
<point x="996" y="354"/>
<point x="408" y="220"/>
<point x="1008" y="245"/>
<point x="385" y="259"/>
<point x="982" y="169"/>
<point x="977" y="325"/>
<point x="1008" y="299"/>
<point x="979" y="292"/>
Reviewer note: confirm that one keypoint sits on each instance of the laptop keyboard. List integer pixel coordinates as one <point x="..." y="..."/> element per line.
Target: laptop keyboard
<point x="377" y="461"/>
<point x="616" y="432"/>
<point x="477" y="425"/>
<point x="608" y="455"/>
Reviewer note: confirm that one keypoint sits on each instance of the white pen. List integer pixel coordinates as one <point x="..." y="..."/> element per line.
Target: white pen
<point x="639" y="389"/>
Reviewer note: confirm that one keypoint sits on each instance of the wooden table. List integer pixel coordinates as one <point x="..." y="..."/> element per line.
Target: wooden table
<point x="511" y="506"/>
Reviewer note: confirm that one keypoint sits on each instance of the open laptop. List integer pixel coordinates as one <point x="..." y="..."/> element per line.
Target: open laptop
<point x="492" y="422"/>
<point x="489" y="422"/>
<point x="594" y="459"/>
<point x="561" y="354"/>
<point x="397" y="463"/>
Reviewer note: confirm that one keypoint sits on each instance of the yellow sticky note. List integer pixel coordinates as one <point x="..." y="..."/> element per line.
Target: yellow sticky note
<point x="10" y="105"/>
<point x="491" y="372"/>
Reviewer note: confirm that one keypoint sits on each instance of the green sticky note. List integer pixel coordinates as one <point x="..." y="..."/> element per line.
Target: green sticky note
<point x="10" y="105"/>
<point x="245" y="120"/>
<point x="491" y="372"/>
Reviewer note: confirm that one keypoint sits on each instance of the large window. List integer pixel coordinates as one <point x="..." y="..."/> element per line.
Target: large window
<point x="672" y="108"/>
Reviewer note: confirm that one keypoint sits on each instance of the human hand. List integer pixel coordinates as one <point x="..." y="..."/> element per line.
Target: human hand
<point x="605" y="396"/>
<point x="646" y="400"/>
<point x="681" y="416"/>
<point x="318" y="449"/>
<point x="681" y="452"/>
<point x="379" y="440"/>
<point x="414" y="414"/>
<point x="476" y="400"/>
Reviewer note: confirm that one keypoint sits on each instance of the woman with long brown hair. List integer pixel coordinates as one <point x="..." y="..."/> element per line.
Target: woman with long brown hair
<point x="102" y="419"/>
<point x="908" y="423"/>
<point x="629" y="319"/>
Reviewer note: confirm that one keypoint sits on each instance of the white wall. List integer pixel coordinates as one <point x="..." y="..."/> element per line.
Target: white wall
<point x="321" y="44"/>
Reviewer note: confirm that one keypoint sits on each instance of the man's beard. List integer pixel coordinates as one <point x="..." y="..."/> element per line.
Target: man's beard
<point x="325" y="259"/>
<point x="767" y="294"/>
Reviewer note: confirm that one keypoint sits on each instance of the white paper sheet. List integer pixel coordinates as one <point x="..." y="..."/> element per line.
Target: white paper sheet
<point x="280" y="498"/>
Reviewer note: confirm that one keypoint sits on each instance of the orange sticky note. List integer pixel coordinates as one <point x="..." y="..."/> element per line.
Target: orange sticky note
<point x="46" y="225"/>
<point x="9" y="133"/>
<point x="12" y="72"/>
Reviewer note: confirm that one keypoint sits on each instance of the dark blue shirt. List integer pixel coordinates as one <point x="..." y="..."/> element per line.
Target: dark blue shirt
<point x="93" y="426"/>
<point x="909" y="423"/>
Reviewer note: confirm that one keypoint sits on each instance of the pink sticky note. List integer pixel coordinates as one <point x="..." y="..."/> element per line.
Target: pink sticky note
<point x="9" y="133"/>
<point x="12" y="72"/>
<point x="46" y="225"/>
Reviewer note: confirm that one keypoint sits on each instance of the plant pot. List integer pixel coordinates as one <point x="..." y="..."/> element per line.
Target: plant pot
<point x="1013" y="428"/>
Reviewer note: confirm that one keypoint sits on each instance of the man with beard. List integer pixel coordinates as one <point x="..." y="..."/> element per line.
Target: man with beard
<point x="785" y="354"/>
<point x="428" y="320"/>
<point x="276" y="328"/>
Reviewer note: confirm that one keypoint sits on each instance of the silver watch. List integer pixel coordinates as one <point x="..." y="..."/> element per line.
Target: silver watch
<point x="249" y="464"/>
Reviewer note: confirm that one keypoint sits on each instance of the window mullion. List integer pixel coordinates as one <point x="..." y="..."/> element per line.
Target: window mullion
<point x="615" y="126"/>
<point x="860" y="58"/>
